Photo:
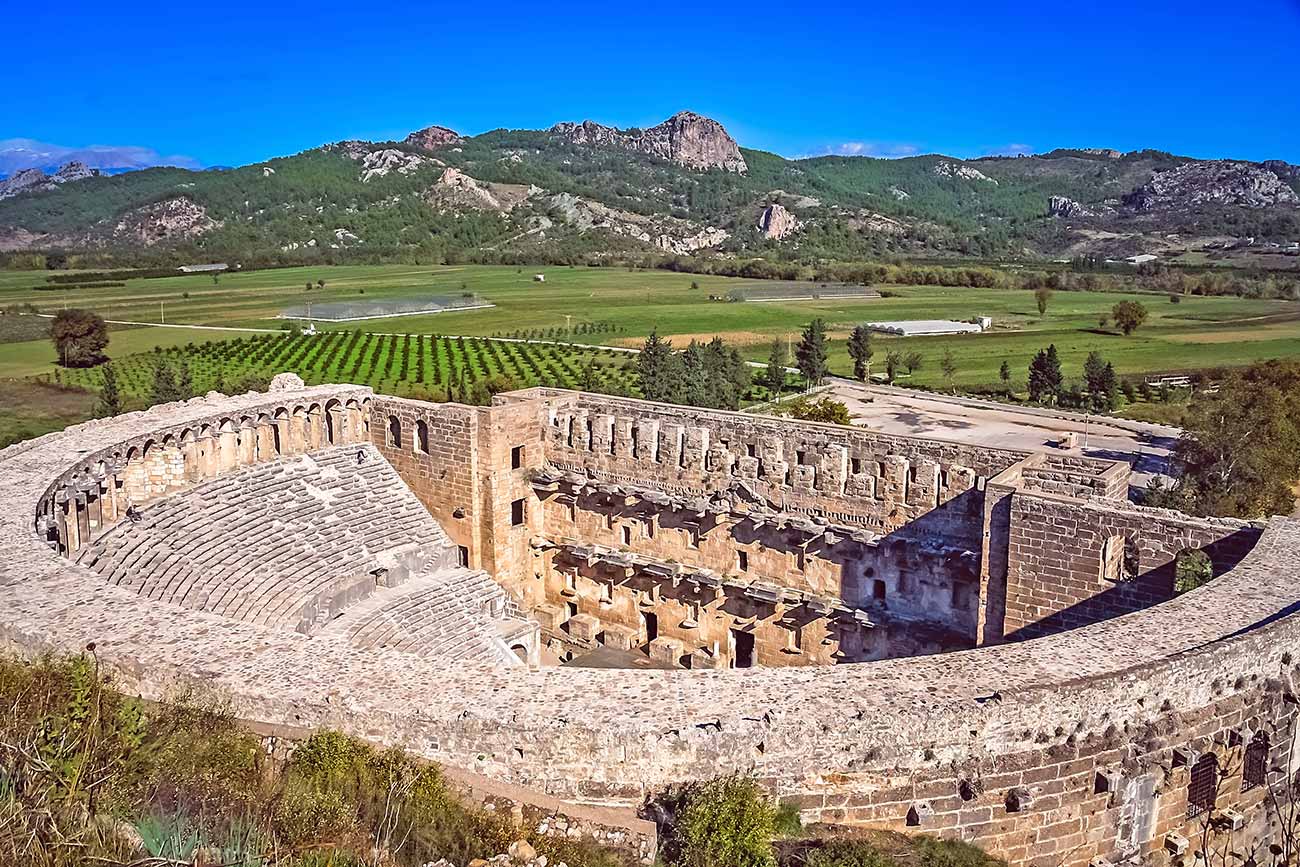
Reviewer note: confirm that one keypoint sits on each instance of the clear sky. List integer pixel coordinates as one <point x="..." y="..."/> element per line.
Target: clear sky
<point x="232" y="83"/>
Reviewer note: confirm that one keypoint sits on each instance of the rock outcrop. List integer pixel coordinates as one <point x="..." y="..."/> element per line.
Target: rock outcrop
<point x="434" y="137"/>
<point x="456" y="191"/>
<point x="686" y="138"/>
<point x="1213" y="182"/>
<point x="776" y="222"/>
<point x="946" y="169"/>
<point x="1063" y="206"/>
<point x="377" y="164"/>
<point x="868" y="221"/>
<point x="668" y="234"/>
<point x="701" y="240"/>
<point x="33" y="180"/>
<point x="175" y="219"/>
<point x="73" y="171"/>
<point x="23" y="181"/>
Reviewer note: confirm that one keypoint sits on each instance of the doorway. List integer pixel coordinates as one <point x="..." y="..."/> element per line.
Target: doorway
<point x="650" y="625"/>
<point x="744" y="649"/>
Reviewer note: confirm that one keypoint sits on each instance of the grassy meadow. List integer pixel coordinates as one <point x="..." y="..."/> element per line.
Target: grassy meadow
<point x="1197" y="332"/>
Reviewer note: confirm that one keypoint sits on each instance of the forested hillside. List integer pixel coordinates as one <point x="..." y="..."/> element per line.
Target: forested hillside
<point x="583" y="191"/>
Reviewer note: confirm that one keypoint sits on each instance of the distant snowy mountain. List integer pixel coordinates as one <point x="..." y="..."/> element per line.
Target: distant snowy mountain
<point x="17" y="154"/>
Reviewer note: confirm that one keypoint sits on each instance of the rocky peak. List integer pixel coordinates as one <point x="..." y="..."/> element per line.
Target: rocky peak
<point x="1212" y="182"/>
<point x="433" y="137"/>
<point x="74" y="171"/>
<point x="776" y="222"/>
<point x="31" y="180"/>
<point x="686" y="138"/>
<point x="23" y="181"/>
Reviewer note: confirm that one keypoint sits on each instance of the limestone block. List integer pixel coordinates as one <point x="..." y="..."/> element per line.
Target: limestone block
<point x="647" y="439"/>
<point x="286" y="382"/>
<point x="695" y="447"/>
<point x="747" y="467"/>
<point x="619" y="638"/>
<point x="602" y="434"/>
<point x="832" y="469"/>
<point x="861" y="485"/>
<point x="702" y="659"/>
<point x="665" y="649"/>
<point x="584" y="627"/>
<point x="623" y="426"/>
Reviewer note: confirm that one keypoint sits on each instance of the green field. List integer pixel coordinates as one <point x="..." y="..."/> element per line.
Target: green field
<point x="1198" y="332"/>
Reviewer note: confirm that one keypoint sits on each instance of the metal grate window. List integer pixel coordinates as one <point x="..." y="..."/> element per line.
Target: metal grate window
<point x="1255" y="768"/>
<point x="1202" y="786"/>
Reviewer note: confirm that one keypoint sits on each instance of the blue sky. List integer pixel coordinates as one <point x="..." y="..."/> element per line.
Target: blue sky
<point x="237" y="82"/>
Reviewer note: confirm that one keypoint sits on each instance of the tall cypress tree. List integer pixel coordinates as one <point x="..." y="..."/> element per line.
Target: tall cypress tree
<point x="811" y="354"/>
<point x="1101" y="382"/>
<point x="774" y="374"/>
<point x="163" y="389"/>
<point x="860" y="351"/>
<point x="110" y="399"/>
<point x="653" y="366"/>
<point x="184" y="381"/>
<point x="1045" y="378"/>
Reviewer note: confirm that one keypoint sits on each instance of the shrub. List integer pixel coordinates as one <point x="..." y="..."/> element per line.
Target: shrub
<point x="729" y="822"/>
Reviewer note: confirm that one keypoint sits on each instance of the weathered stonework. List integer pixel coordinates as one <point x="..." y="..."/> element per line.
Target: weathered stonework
<point x="1077" y="745"/>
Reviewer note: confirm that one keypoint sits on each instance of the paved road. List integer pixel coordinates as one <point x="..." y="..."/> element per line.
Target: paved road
<point x="1143" y="446"/>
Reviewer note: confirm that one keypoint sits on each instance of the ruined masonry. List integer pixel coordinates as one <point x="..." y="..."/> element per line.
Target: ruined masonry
<point x="1025" y="676"/>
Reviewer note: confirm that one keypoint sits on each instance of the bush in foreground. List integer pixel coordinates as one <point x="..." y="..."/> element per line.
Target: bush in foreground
<point x="89" y="775"/>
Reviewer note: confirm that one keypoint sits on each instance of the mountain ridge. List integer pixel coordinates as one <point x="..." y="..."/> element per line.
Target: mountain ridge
<point x="684" y="186"/>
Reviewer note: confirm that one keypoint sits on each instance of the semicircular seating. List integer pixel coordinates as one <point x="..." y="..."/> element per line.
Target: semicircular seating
<point x="286" y="544"/>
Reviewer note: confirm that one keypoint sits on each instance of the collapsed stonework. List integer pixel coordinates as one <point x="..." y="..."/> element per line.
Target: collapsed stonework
<point x="706" y="540"/>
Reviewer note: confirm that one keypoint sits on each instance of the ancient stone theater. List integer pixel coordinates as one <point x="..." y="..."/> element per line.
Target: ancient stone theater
<point x="583" y="600"/>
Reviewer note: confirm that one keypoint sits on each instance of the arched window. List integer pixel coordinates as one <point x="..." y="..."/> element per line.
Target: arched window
<point x="329" y="427"/>
<point x="1203" y="785"/>
<point x="422" y="437"/>
<point x="394" y="432"/>
<point x="1254" y="769"/>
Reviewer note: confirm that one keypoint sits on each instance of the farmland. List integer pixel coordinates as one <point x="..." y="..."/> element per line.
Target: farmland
<point x="590" y="305"/>
<point x="409" y="365"/>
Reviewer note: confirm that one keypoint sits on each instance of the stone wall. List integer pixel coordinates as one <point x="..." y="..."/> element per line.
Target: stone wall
<point x="1055" y="750"/>
<point x="470" y="467"/>
<point x="852" y="474"/>
<point x="1075" y="562"/>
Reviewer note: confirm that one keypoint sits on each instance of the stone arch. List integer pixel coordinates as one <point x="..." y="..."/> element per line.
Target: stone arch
<point x="421" y="441"/>
<point x="394" y="434"/>
<point x="353" y="428"/>
<point x="332" y="409"/>
<point x="1120" y="559"/>
<point x="315" y="427"/>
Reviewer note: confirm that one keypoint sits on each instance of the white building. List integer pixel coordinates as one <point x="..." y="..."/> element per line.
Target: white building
<point x="925" y="327"/>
